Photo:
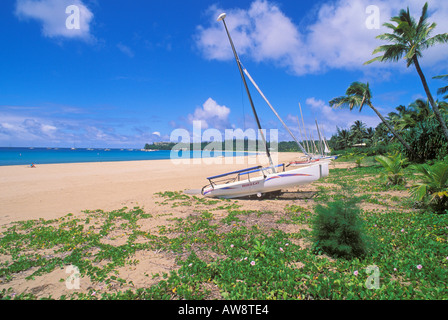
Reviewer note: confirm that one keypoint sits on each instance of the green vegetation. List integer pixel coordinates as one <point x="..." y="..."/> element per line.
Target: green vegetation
<point x="338" y="230"/>
<point x="433" y="186"/>
<point x="320" y="248"/>
<point x="235" y="145"/>
<point x="393" y="165"/>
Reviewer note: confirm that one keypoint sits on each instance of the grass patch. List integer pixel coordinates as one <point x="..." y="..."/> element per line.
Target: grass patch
<point x="225" y="250"/>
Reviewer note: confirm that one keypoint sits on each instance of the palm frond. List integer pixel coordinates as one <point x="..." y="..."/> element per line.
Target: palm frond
<point x="373" y="60"/>
<point x="423" y="18"/>
<point x="337" y="102"/>
<point x="442" y="90"/>
<point x="440" y="174"/>
<point x="433" y="185"/>
<point x="385" y="161"/>
<point x="418" y="191"/>
<point x="393" y="166"/>
<point x="437" y="39"/>
<point x="443" y="77"/>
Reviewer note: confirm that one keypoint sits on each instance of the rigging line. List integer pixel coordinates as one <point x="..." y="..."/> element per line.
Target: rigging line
<point x="301" y="134"/>
<point x="242" y="102"/>
<point x="273" y="110"/>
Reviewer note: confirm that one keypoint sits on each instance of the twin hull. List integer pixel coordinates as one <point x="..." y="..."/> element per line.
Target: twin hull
<point x="270" y="183"/>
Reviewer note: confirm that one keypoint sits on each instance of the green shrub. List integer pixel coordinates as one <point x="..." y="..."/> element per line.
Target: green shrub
<point x="433" y="186"/>
<point x="427" y="139"/>
<point x="393" y="165"/>
<point x="338" y="230"/>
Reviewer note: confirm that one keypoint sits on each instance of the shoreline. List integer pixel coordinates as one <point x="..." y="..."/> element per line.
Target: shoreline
<point x="50" y="191"/>
<point x="87" y="160"/>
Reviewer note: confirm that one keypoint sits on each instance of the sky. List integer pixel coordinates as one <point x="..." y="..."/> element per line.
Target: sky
<point x="119" y="74"/>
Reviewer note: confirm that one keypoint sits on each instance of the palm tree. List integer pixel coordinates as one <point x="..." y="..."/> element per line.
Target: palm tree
<point x="393" y="166"/>
<point x="359" y="95"/>
<point x="409" y="39"/>
<point x="381" y="134"/>
<point x="417" y="112"/>
<point x="370" y="134"/>
<point x="432" y="186"/>
<point x="343" y="138"/>
<point x="358" y="132"/>
<point x="393" y="118"/>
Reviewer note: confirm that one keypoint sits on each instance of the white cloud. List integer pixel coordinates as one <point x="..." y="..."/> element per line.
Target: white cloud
<point x="126" y="50"/>
<point x="262" y="31"/>
<point x="211" y="115"/>
<point x="330" y="118"/>
<point x="63" y="126"/>
<point x="52" y="14"/>
<point x="25" y="128"/>
<point x="336" y="38"/>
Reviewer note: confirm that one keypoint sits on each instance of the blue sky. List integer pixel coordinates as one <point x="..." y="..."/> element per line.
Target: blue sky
<point x="134" y="71"/>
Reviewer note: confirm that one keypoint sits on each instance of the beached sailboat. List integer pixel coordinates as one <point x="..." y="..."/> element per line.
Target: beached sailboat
<point x="273" y="178"/>
<point x="316" y="153"/>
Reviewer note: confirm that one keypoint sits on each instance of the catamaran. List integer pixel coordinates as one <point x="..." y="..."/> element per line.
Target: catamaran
<point x="261" y="180"/>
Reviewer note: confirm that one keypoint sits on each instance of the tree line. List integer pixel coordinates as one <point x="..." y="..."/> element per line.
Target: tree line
<point x="236" y="145"/>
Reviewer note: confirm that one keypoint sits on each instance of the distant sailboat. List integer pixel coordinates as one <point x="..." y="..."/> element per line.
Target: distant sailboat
<point x="267" y="180"/>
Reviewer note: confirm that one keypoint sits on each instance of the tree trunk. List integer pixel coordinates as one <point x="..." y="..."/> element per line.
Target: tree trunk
<point x="434" y="106"/>
<point x="396" y="135"/>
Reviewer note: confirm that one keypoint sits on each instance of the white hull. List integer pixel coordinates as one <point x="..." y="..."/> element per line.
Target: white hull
<point x="305" y="163"/>
<point x="270" y="183"/>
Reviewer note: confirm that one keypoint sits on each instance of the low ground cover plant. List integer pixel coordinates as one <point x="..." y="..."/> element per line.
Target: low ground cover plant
<point x="223" y="250"/>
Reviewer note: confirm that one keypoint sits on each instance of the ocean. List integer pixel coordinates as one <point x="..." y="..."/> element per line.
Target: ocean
<point x="36" y="156"/>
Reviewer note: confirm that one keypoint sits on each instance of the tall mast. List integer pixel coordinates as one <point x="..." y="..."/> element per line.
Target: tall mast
<point x="301" y="135"/>
<point x="320" y="139"/>
<point x="222" y="18"/>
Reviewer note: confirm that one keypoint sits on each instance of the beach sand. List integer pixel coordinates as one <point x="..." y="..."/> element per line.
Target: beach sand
<point x="53" y="190"/>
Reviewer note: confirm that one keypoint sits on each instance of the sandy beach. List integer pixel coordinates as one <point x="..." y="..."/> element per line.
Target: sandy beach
<point x="136" y="248"/>
<point x="54" y="190"/>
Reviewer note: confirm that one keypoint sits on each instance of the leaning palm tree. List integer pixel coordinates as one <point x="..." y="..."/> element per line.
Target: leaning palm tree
<point x="409" y="39"/>
<point x="358" y="95"/>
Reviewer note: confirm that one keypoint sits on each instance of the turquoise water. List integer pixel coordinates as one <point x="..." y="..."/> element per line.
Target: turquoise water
<point x="27" y="156"/>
